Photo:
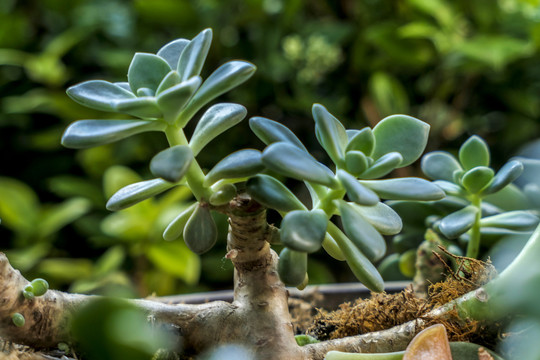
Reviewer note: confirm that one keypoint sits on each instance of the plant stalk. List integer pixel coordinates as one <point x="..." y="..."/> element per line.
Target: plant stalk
<point x="473" y="248"/>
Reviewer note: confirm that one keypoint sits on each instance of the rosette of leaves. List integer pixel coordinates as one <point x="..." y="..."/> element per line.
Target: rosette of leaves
<point x="351" y="189"/>
<point x="164" y="91"/>
<point x="476" y="196"/>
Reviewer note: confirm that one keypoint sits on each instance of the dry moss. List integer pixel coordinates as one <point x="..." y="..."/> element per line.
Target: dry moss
<point x="383" y="311"/>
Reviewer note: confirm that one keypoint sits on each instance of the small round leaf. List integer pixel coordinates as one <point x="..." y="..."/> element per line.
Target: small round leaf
<point x="440" y="165"/>
<point x="304" y="230"/>
<point x="459" y="222"/>
<point x="200" y="232"/>
<point x="40" y="286"/>
<point x="172" y="164"/>
<point x="477" y="178"/>
<point x="474" y="152"/>
<point x="223" y="195"/>
<point x="356" y="162"/>
<point x="18" y="319"/>
<point x="362" y="141"/>
<point x="292" y="267"/>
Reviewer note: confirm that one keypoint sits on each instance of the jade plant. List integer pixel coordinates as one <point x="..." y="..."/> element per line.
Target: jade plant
<point x="347" y="215"/>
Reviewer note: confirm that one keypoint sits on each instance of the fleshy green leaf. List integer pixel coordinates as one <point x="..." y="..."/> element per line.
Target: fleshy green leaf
<point x="332" y="248"/>
<point x="459" y="222"/>
<point x="292" y="267"/>
<point x="440" y="165"/>
<point x="135" y="193"/>
<point x="143" y="107"/>
<point x="270" y="131"/>
<point x="225" y="78"/>
<point x="383" y="218"/>
<point x="172" y="164"/>
<point x="506" y="175"/>
<point x="513" y="220"/>
<point x="361" y="267"/>
<point x="474" y="152"/>
<point x="287" y="159"/>
<point x="477" y="178"/>
<point x="356" y="162"/>
<point x="363" y="141"/>
<point x="449" y="188"/>
<point x="332" y="134"/>
<point x="200" y="232"/>
<point x="403" y="134"/>
<point x="193" y="56"/>
<point x="271" y="193"/>
<point x="171" y="52"/>
<point x="223" y="195"/>
<point x="405" y="189"/>
<point x="175" y="229"/>
<point x="170" y="80"/>
<point x="383" y="165"/>
<point x="303" y="230"/>
<point x="216" y="120"/>
<point x="173" y="100"/>
<point x="99" y="94"/>
<point x="361" y="232"/>
<point x="242" y="163"/>
<point x="147" y="71"/>
<point x="356" y="191"/>
<point x="87" y="133"/>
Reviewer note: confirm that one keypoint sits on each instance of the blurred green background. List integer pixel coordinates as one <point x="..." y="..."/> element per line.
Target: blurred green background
<point x="465" y="67"/>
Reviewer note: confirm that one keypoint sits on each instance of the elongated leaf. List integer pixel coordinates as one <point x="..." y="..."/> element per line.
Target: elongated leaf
<point x="200" y="232"/>
<point x="194" y="55"/>
<point x="513" y="220"/>
<point x="19" y="205"/>
<point x="356" y="162"/>
<point x="242" y="163"/>
<point x="403" y="134"/>
<point x="477" y="178"/>
<point x="474" y="152"/>
<point x="270" y="131"/>
<point x="449" y="188"/>
<point x="171" y="52"/>
<point x="271" y="193"/>
<point x="292" y="267"/>
<point x="356" y="191"/>
<point x="361" y="232"/>
<point x="361" y="267"/>
<point x="333" y="137"/>
<point x="172" y="164"/>
<point x="135" y="193"/>
<point x="87" y="133"/>
<point x="143" y="107"/>
<point x="303" y="230"/>
<point x="440" y="165"/>
<point x="225" y="78"/>
<point x="405" y="189"/>
<point x="216" y="120"/>
<point x="383" y="218"/>
<point x="363" y="141"/>
<point x="99" y="94"/>
<point x="459" y="222"/>
<point x="332" y="248"/>
<point x="173" y="100"/>
<point x="147" y="71"/>
<point x="175" y="229"/>
<point x="287" y="159"/>
<point x="505" y="176"/>
<point x="383" y="165"/>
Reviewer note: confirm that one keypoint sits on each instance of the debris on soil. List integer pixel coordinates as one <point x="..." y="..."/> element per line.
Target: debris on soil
<point x="383" y="311"/>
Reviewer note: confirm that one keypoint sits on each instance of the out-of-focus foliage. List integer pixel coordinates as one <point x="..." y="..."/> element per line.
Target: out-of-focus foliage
<point x="462" y="66"/>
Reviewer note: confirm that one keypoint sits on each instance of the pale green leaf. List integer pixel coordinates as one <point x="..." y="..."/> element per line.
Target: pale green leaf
<point x="135" y="193"/>
<point x="303" y="231"/>
<point x="147" y="71"/>
<point x="332" y="134"/>
<point x="459" y="222"/>
<point x="216" y="120"/>
<point x="172" y="163"/>
<point x="200" y="232"/>
<point x="410" y="188"/>
<point x="243" y="163"/>
<point x="87" y="133"/>
<point x="440" y="165"/>
<point x="193" y="56"/>
<point x="271" y="193"/>
<point x="474" y="152"/>
<point x="270" y="131"/>
<point x="99" y="94"/>
<point x="171" y="52"/>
